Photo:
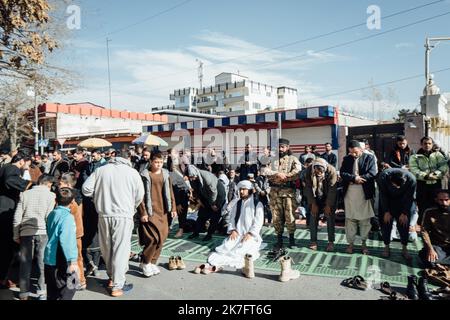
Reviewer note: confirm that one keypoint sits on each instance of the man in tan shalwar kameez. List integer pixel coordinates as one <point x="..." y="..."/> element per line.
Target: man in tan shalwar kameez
<point x="158" y="203"/>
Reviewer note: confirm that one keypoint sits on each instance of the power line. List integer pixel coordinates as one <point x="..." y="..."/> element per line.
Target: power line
<point x="146" y="19"/>
<point x="289" y="44"/>
<point x="343" y="44"/>
<point x="378" y="84"/>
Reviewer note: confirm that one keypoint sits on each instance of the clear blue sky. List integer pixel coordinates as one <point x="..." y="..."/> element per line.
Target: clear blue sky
<point x="150" y="57"/>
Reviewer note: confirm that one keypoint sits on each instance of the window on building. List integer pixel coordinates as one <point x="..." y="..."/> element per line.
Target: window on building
<point x="268" y="94"/>
<point x="181" y="99"/>
<point x="256" y="106"/>
<point x="280" y="96"/>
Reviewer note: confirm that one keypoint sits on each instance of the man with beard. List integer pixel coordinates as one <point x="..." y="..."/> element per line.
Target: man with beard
<point x="436" y="232"/>
<point x="358" y="171"/>
<point x="59" y="165"/>
<point x="11" y="185"/>
<point x="429" y="167"/>
<point x="241" y="248"/>
<point x="283" y="204"/>
<point x="399" y="157"/>
<point x="80" y="168"/>
<point x="248" y="163"/>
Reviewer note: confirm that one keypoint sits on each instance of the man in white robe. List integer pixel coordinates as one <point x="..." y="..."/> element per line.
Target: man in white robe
<point x="244" y="231"/>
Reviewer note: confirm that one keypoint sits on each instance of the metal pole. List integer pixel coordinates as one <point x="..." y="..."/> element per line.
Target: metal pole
<point x="279" y="126"/>
<point x="427" y="61"/>
<point x="109" y="72"/>
<point x="42" y="137"/>
<point x="36" y="123"/>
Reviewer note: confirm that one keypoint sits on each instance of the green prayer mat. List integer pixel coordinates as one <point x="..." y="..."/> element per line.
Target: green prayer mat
<point x="374" y="268"/>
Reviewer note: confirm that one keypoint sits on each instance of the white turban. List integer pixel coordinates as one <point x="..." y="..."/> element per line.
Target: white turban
<point x="245" y="184"/>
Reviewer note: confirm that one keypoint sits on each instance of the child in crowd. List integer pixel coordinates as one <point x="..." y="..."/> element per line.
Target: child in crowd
<point x="61" y="254"/>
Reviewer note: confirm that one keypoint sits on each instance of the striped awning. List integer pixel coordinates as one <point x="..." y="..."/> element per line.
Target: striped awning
<point x="287" y="115"/>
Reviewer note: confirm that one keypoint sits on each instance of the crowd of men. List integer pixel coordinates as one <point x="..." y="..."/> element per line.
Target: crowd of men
<point x="68" y="211"/>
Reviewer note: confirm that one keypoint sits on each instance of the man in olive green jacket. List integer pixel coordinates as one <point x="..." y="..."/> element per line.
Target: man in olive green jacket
<point x="429" y="168"/>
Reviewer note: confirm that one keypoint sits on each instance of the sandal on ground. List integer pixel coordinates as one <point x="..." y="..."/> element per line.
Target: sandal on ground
<point x="386" y="288"/>
<point x="199" y="268"/>
<point x="356" y="282"/>
<point x="349" y="250"/>
<point x="313" y="246"/>
<point x="365" y="250"/>
<point x="211" y="269"/>
<point x="386" y="253"/>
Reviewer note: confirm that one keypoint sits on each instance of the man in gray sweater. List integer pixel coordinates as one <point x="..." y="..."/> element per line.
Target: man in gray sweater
<point x="117" y="190"/>
<point x="31" y="234"/>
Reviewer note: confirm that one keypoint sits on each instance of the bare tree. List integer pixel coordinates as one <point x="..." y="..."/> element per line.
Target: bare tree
<point x="30" y="30"/>
<point x="382" y="103"/>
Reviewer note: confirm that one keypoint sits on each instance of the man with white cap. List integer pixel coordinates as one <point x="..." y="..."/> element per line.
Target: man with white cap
<point x="242" y="246"/>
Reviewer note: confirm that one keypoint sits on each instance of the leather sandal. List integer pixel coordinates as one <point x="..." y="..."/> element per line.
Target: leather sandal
<point x="356" y="282"/>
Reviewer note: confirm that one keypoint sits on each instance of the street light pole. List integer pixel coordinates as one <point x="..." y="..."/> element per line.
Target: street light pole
<point x="109" y="72"/>
<point x="36" y="124"/>
<point x="428" y="47"/>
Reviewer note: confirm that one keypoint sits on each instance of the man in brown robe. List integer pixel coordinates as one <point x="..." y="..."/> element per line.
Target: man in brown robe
<point x="159" y="202"/>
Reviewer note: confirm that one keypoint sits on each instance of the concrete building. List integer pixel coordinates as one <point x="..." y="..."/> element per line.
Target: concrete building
<point x="234" y="94"/>
<point x="306" y="126"/>
<point x="180" y="116"/>
<point x="68" y="124"/>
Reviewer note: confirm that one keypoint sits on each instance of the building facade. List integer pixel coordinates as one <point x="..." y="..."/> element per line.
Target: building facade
<point x="234" y="94"/>
<point x="68" y="124"/>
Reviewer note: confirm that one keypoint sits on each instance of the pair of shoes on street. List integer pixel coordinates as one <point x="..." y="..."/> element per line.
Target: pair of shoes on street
<point x="207" y="269"/>
<point x="149" y="269"/>
<point x="176" y="263"/>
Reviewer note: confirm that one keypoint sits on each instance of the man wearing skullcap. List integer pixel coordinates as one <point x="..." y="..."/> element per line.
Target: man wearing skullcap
<point x="358" y="171"/>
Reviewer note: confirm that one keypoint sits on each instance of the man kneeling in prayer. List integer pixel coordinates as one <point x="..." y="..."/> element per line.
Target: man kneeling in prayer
<point x="241" y="248"/>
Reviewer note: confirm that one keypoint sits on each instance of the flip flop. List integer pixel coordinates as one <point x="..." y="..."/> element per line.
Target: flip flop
<point x="356" y="282"/>
<point x="385" y="287"/>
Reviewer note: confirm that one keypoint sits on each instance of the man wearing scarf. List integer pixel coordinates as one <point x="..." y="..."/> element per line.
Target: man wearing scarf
<point x="429" y="167"/>
<point x="358" y="171"/>
<point x="436" y="232"/>
<point x="212" y="196"/>
<point x="283" y="204"/>
<point x="246" y="220"/>
<point x="321" y="192"/>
